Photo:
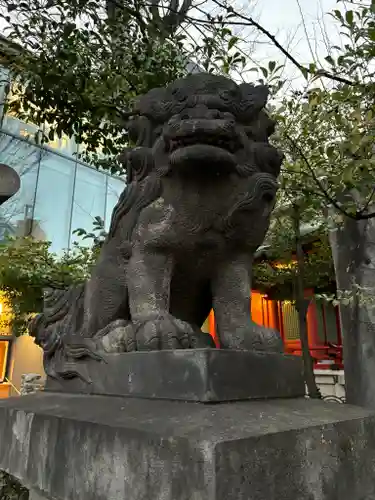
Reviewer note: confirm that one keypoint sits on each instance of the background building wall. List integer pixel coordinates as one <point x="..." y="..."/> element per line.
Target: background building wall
<point x="27" y="357"/>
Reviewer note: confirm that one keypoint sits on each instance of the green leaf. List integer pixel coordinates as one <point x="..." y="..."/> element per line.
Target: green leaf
<point x="330" y="60"/>
<point x="349" y="17"/>
<point x="271" y="66"/>
<point x="330" y="151"/>
<point x="232" y="42"/>
<point x="338" y="15"/>
<point x="347" y="175"/>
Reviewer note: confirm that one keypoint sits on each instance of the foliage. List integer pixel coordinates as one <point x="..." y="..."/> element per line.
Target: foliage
<point x="97" y="235"/>
<point x="83" y="62"/>
<point x="275" y="270"/>
<point x="7" y="314"/>
<point x="328" y="131"/>
<point x="27" y="266"/>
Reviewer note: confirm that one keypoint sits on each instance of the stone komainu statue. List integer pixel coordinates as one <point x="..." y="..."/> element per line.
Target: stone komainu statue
<point x="201" y="184"/>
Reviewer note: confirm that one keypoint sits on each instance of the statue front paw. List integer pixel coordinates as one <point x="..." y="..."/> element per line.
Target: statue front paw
<point x="117" y="337"/>
<point x="254" y="338"/>
<point x="266" y="339"/>
<point x="168" y="332"/>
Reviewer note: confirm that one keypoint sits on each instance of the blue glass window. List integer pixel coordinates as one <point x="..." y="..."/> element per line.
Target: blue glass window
<point x="53" y="205"/>
<point x="21" y="129"/>
<point x="114" y="189"/>
<point x="16" y="213"/>
<point x="89" y="200"/>
<point x="4" y="85"/>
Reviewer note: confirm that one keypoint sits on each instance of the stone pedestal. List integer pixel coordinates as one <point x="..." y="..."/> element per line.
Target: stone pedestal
<point x="36" y="495"/>
<point x="67" y="447"/>
<point x="205" y="375"/>
<point x="153" y="439"/>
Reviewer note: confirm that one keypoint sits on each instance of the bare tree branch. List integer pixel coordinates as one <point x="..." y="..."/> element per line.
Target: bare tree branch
<point x="304" y="70"/>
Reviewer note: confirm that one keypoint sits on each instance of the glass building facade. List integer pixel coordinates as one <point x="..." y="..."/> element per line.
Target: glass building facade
<point x="58" y="193"/>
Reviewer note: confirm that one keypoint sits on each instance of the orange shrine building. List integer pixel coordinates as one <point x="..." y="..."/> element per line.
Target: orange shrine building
<point x="323" y="323"/>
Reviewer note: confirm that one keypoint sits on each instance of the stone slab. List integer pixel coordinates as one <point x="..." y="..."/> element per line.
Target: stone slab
<point x="205" y="375"/>
<point x="36" y="495"/>
<point x="68" y="447"/>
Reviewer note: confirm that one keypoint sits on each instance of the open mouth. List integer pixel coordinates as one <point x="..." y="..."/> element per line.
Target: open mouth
<point x="208" y="144"/>
<point x="212" y="157"/>
<point x="229" y="144"/>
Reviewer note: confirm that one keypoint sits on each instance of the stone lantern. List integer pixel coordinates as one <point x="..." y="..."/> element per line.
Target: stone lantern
<point x="9" y="182"/>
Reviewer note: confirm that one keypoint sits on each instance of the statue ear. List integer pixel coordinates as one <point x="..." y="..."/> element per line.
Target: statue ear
<point x="140" y="131"/>
<point x="153" y="105"/>
<point x="138" y="162"/>
<point x="254" y="98"/>
<point x="123" y="159"/>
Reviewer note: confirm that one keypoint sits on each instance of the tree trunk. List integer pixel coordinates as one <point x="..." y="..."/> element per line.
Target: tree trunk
<point x="353" y="251"/>
<point x="308" y="362"/>
<point x="302" y="305"/>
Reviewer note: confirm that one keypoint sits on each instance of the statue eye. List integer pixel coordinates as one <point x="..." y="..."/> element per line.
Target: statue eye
<point x="249" y="131"/>
<point x="179" y="94"/>
<point x="229" y="95"/>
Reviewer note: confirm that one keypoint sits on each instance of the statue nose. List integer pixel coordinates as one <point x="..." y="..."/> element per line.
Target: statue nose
<point x="210" y="101"/>
<point x="202" y="112"/>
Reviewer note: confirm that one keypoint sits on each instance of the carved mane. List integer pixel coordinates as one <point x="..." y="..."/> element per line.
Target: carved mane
<point x="142" y="186"/>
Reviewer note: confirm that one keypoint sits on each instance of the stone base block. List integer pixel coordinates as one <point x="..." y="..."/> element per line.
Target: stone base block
<point x="36" y="495"/>
<point x="205" y="375"/>
<point x="67" y="447"/>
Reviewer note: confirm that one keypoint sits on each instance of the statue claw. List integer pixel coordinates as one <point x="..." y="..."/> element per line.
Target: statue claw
<point x="168" y="332"/>
<point x="256" y="338"/>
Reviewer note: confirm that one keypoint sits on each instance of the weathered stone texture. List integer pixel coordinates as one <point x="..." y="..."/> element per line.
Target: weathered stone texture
<point x="100" y="448"/>
<point x="11" y="489"/>
<point x="34" y="495"/>
<point x="31" y="383"/>
<point x="206" y="375"/>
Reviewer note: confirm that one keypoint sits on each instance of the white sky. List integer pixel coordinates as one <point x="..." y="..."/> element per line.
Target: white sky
<point x="283" y="19"/>
<point x="301" y="26"/>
